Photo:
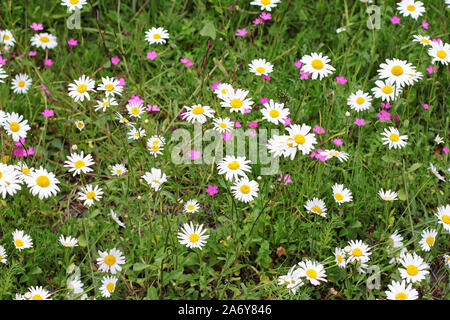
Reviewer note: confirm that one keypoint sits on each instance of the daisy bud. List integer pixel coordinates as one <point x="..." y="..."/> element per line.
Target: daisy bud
<point x="146" y="121"/>
<point x="259" y="178"/>
<point x="27" y="295"/>
<point x="347" y="114"/>
<point x="347" y="249"/>
<point x="139" y="197"/>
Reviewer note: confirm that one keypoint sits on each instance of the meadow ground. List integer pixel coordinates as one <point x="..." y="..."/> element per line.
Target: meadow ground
<point x="363" y="248"/>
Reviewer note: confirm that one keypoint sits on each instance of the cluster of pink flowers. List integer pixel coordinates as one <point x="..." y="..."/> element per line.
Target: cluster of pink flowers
<point x="317" y="154"/>
<point x="359" y="122"/>
<point x="384" y="116"/>
<point x="72" y="42"/>
<point x="286" y="179"/>
<point x="341" y="80"/>
<point x="264" y="16"/>
<point x="318" y="129"/>
<point x="115" y="60"/>
<point x="37" y="26"/>
<point x="212" y="190"/>
<point x="303" y="75"/>
<point x="135" y="99"/>
<point x="3" y="60"/>
<point x="187" y="62"/>
<point x="152" y="55"/>
<point x="22" y="152"/>
<point x="152" y="108"/>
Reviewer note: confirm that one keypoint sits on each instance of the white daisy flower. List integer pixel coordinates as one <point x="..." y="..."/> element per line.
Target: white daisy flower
<point x="192" y="206"/>
<point x="198" y="113"/>
<point x="37" y="293"/>
<point x="108" y="286"/>
<point x="79" y="124"/>
<point x="114" y="216"/>
<point x="340" y="257"/>
<point x="359" y="101"/>
<point x="438" y="139"/>
<point x="233" y="167"/>
<point x="274" y="112"/>
<point x="278" y="146"/>
<point x="136" y="134"/>
<point x="42" y="183"/>
<point x="411" y="8"/>
<point x="312" y="271"/>
<point x="156" y="35"/>
<point x="260" y="67"/>
<point x="44" y="41"/>
<point x="393" y="138"/>
<point x="23" y="170"/>
<point x="16" y="126"/>
<point x="111" y="86"/>
<point x="292" y="280"/>
<point x="401" y="291"/>
<point x="222" y="89"/>
<point x="118" y="170"/>
<point x="423" y="40"/>
<point x="446" y="260"/>
<point x="105" y="103"/>
<point x="7" y="38"/>
<point x="10" y="180"/>
<point x="428" y="239"/>
<point x="192" y="237"/>
<point x="245" y="190"/>
<point x="3" y="75"/>
<point x="388" y="195"/>
<point x="386" y="90"/>
<point x="415" y="268"/>
<point x="80" y="89"/>
<point x="358" y="251"/>
<point x="3" y="255"/>
<point x="74" y="286"/>
<point x="300" y="138"/>
<point x="398" y="72"/>
<point x="73" y="4"/>
<point x="443" y="215"/>
<point x="341" y="194"/>
<point x="110" y="261"/>
<point x="341" y="155"/>
<point x="22" y="240"/>
<point x="21" y="83"/>
<point x="135" y="109"/>
<point x="265" y="4"/>
<point x="223" y="125"/>
<point x="435" y="171"/>
<point x="316" y="206"/>
<point x="90" y="194"/>
<point x="79" y="163"/>
<point x="317" y="65"/>
<point x="155" y="178"/>
<point x="237" y="101"/>
<point x="440" y="52"/>
<point x="122" y="119"/>
<point x="68" y="241"/>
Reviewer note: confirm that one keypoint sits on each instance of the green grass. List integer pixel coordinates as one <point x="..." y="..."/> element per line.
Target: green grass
<point x="240" y="259"/>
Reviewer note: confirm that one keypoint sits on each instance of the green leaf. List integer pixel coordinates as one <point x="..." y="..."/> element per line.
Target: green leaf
<point x="139" y="266"/>
<point x="209" y="30"/>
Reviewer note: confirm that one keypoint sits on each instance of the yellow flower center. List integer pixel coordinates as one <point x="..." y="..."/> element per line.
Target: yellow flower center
<point x="316" y="209"/>
<point x="157" y="36"/>
<point x="224" y="91"/>
<point x="190" y="207"/>
<point x="5" y="37"/>
<point x="110" y="259"/>
<point x="44" y="39"/>
<point x="397" y="70"/>
<point x="425" y="41"/>
<point x="222" y="125"/>
<point x="37" y="297"/>
<point x="82" y="88"/>
<point x="236" y="103"/>
<point x="338" y="196"/>
<point x="430" y="241"/>
<point x="90" y="195"/>
<point x="21" y="83"/>
<point x="79" y="164"/>
<point x="109" y="87"/>
<point x="233" y="165"/>
<point x="156" y="181"/>
<point x="105" y="104"/>
<point x="394" y="137"/>
<point x="412" y="270"/>
<point x="265" y="2"/>
<point x="339" y="258"/>
<point x="194" y="237"/>
<point x="119" y="171"/>
<point x="198" y="110"/>
<point x="274" y="113"/>
<point x="401" y="296"/>
<point x="14" y="126"/>
<point x="135" y="111"/>
<point x="136" y="134"/>
<point x="311" y="273"/>
<point x="19" y="243"/>
<point x="73" y="2"/>
<point x="299" y="139"/>
<point x="156" y="142"/>
<point x="80" y="125"/>
<point x="317" y="64"/>
<point x="360" y="100"/>
<point x="260" y="70"/>
<point x="446" y="219"/>
<point x="411" y="8"/>
<point x="155" y="148"/>
<point x="387" y="89"/>
<point x="357" y="252"/>
<point x="43" y="181"/>
<point x="245" y="189"/>
<point x="441" y="54"/>
<point x="110" y="287"/>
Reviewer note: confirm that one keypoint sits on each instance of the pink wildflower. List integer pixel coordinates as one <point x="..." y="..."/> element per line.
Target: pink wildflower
<point x="152" y="55"/>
